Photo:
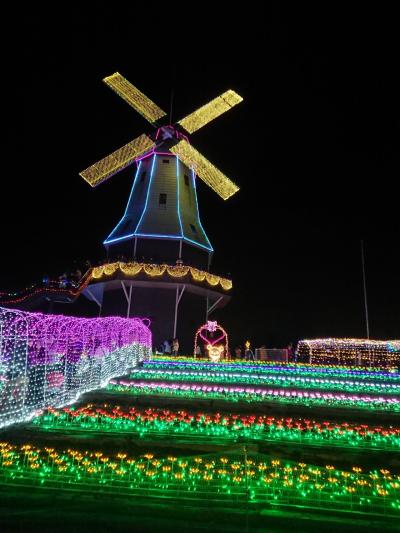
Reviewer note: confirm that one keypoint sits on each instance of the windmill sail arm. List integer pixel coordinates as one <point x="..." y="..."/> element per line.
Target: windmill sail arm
<point x="210" y="111"/>
<point x="209" y="173"/>
<point x="113" y="163"/>
<point x="135" y="98"/>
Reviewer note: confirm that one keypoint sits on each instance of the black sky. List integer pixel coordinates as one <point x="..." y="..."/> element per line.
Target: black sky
<point x="313" y="148"/>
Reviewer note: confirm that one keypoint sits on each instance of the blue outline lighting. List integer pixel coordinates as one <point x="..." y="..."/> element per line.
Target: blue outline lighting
<point x="124" y="237"/>
<point x="127" y="205"/>
<point x="197" y="207"/>
<point x="178" y="196"/>
<point x="209" y="248"/>
<point x="148" y="194"/>
<point x="157" y="236"/>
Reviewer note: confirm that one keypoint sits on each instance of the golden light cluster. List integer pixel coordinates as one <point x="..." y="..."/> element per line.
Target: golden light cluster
<point x="157" y="270"/>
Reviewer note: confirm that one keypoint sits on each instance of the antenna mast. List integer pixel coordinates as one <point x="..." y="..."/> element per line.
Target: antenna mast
<point x="365" y="288"/>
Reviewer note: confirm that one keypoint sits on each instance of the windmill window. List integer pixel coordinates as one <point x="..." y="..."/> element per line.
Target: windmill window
<point x="165" y="161"/>
<point x="193" y="228"/>
<point x="143" y="176"/>
<point x="186" y="180"/>
<point x="162" y="200"/>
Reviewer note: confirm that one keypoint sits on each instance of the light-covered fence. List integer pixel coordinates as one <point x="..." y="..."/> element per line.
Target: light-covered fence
<point x="350" y="352"/>
<point x="50" y="360"/>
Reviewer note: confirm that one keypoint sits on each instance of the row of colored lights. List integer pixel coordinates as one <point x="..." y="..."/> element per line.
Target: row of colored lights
<point x="266" y="379"/>
<point x="230" y="427"/>
<point x="265" y="366"/>
<point x="251" y="394"/>
<point x="376" y="491"/>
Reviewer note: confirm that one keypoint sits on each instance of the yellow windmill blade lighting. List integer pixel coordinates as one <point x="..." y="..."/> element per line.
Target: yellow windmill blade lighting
<point x="135" y="98"/>
<point x="113" y="163"/>
<point x="213" y="177"/>
<point x="210" y="111"/>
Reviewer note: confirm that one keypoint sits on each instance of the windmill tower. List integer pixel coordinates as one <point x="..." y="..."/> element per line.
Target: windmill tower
<point x="161" y="222"/>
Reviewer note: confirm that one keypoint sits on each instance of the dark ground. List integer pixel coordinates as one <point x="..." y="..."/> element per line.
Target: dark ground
<point x="72" y="513"/>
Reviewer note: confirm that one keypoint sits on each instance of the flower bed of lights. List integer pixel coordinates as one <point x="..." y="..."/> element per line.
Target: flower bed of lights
<point x="383" y="354"/>
<point x="214" y="338"/>
<point x="161" y="422"/>
<point x="52" y="359"/>
<point x="299" y="382"/>
<point x="252" y="394"/>
<point x="220" y="477"/>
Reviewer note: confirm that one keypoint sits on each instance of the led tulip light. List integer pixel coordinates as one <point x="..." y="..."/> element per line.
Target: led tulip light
<point x="162" y="422"/>
<point x="230" y="478"/>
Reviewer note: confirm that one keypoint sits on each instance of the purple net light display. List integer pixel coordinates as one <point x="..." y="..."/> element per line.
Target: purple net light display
<point x="50" y="360"/>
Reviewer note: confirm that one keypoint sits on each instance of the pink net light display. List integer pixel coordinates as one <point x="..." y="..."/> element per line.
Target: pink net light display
<point x="50" y="360"/>
<point x="215" y="340"/>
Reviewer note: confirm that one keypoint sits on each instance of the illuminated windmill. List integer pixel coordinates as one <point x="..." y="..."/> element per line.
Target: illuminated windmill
<point x="161" y="220"/>
<point x="161" y="223"/>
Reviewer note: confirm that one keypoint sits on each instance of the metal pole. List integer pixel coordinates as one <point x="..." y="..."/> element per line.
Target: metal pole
<point x="177" y="300"/>
<point x="129" y="302"/>
<point x="365" y="288"/>
<point x="247" y="487"/>
<point x="176" y="311"/>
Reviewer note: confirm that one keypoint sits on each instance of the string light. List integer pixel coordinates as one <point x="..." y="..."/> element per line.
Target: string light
<point x="116" y="161"/>
<point x="382" y="354"/>
<point x="210" y="111"/>
<point x="135" y="98"/>
<point x="156" y="270"/>
<point x="251" y="394"/>
<point x="317" y="371"/>
<point x="301" y="382"/>
<point x="53" y="359"/>
<point x="206" y="334"/>
<point x="210" y="174"/>
<point x="109" y="269"/>
<point x="156" y="422"/>
<point x="232" y="478"/>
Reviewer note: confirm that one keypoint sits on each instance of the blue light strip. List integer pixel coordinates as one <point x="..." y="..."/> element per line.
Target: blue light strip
<point x="157" y="236"/>
<point x="148" y="194"/>
<point x="130" y="196"/>
<point x="127" y="205"/>
<point x="211" y="249"/>
<point x="178" y="195"/>
<point x="208" y="248"/>
<point x="123" y="238"/>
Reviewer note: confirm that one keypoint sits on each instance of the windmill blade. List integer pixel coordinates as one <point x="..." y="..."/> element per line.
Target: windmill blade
<point x="113" y="163"/>
<point x="213" y="177"/>
<point x="210" y="111"/>
<point x="135" y="98"/>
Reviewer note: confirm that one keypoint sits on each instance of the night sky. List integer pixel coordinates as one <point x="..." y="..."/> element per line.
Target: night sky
<point x="313" y="148"/>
